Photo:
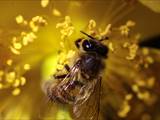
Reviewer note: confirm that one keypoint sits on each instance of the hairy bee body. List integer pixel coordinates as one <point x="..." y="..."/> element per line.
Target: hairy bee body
<point x="80" y="87"/>
<point x="89" y="66"/>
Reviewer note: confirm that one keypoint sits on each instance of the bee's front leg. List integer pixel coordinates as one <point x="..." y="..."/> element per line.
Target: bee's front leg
<point x="62" y="76"/>
<point x="59" y="76"/>
<point x="66" y="66"/>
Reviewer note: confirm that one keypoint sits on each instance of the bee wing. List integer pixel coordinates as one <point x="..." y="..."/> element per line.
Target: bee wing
<point x="72" y="75"/>
<point x="60" y="91"/>
<point x="87" y="106"/>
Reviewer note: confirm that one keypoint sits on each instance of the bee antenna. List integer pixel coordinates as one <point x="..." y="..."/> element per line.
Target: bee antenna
<point x="105" y="38"/>
<point x="87" y="35"/>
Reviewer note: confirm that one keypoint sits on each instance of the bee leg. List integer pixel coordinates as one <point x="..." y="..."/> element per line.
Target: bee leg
<point x="60" y="76"/>
<point x="66" y="66"/>
<point x="77" y="42"/>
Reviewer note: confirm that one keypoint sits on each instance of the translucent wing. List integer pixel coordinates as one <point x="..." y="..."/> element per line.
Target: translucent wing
<point x="64" y="90"/>
<point x="87" y="106"/>
<point x="83" y="94"/>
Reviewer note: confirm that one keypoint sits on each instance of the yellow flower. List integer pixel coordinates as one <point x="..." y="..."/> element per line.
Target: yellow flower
<point x="37" y="39"/>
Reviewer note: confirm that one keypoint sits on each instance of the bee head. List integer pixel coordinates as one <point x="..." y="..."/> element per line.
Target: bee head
<point x="92" y="45"/>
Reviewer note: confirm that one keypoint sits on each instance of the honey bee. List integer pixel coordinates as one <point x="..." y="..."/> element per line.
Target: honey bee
<point x="81" y="86"/>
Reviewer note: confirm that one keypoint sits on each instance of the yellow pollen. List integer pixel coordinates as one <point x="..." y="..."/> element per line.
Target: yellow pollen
<point x="106" y="31"/>
<point x="130" y="23"/>
<point x="128" y="96"/>
<point x="140" y="82"/>
<point x="19" y="19"/>
<point x="70" y="54"/>
<point x="1" y="73"/>
<point x="135" y="88"/>
<point x="110" y="45"/>
<point x="66" y="27"/>
<point x="132" y="51"/>
<point x="10" y="77"/>
<point x="149" y="59"/>
<point x="145" y="51"/>
<point x="9" y="62"/>
<point x="17" y="45"/>
<point x="62" y="44"/>
<point x="92" y="24"/>
<point x="126" y="44"/>
<point x="60" y="67"/>
<point x="144" y="96"/>
<point x="27" y="67"/>
<point x="16" y="92"/>
<point x="151" y="82"/>
<point x="16" y="83"/>
<point x="14" y="51"/>
<point x="22" y="81"/>
<point x="1" y="86"/>
<point x="125" y="108"/>
<point x="44" y="3"/>
<point x="56" y="12"/>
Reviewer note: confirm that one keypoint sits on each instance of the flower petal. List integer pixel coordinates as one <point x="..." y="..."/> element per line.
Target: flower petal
<point x="154" y="5"/>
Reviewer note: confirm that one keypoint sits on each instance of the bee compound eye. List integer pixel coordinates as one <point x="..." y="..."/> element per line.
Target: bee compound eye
<point x="87" y="45"/>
